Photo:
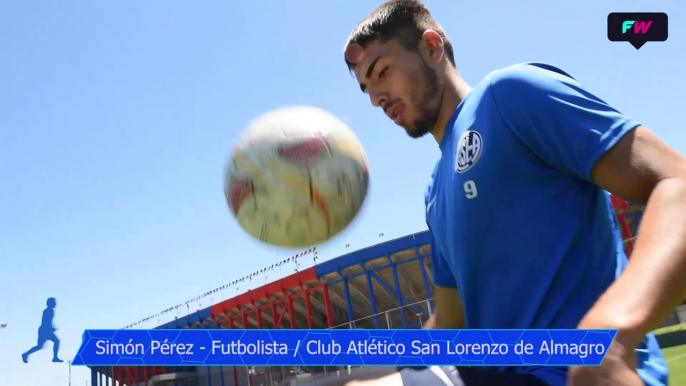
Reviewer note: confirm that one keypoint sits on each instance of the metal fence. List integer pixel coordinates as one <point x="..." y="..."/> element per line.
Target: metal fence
<point x="414" y="314"/>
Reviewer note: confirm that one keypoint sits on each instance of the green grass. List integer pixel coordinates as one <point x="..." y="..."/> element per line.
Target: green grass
<point x="676" y="361"/>
<point x="675" y="328"/>
<point x="675" y="356"/>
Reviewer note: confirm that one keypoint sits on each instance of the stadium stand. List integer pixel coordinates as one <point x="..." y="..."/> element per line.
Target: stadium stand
<point x="385" y="286"/>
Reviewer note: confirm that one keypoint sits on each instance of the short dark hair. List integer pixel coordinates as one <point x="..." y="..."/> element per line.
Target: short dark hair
<point x="406" y="20"/>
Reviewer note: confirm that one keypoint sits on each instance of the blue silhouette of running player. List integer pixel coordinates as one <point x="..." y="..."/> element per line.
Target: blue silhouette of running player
<point x="46" y="332"/>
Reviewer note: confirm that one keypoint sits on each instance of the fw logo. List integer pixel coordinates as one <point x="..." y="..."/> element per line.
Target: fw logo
<point x="637" y="28"/>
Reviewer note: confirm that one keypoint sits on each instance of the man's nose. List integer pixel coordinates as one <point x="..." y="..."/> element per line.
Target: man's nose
<point x="378" y="99"/>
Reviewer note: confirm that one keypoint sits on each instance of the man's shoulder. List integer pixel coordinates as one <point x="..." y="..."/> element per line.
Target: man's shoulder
<point x="524" y="74"/>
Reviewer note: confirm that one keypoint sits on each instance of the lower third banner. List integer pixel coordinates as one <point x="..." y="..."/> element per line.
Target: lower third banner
<point x="343" y="347"/>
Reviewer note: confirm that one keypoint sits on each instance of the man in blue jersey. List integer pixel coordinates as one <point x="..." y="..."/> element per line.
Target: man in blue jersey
<point x="529" y="142"/>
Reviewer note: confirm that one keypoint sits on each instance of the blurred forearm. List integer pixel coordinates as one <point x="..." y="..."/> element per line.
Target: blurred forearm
<point x="436" y="323"/>
<point x="431" y="323"/>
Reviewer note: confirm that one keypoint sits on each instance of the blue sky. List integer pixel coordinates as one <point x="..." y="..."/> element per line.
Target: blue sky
<point x="117" y="119"/>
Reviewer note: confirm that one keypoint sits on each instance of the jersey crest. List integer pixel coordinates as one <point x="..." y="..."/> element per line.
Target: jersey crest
<point x="469" y="150"/>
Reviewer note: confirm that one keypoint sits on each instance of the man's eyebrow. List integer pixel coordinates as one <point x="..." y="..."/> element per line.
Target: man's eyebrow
<point x="369" y="72"/>
<point x="371" y="67"/>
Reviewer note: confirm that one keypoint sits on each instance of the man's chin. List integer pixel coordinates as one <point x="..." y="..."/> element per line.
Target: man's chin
<point x="414" y="132"/>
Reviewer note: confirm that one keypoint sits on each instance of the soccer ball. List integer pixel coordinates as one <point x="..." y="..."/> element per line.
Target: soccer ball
<point x="297" y="177"/>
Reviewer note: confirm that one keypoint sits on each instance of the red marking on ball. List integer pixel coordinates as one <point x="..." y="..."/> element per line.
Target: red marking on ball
<point x="354" y="53"/>
<point x="239" y="190"/>
<point x="304" y="150"/>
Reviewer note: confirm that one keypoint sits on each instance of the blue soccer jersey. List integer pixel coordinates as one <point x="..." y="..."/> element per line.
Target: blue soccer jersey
<point x="517" y="225"/>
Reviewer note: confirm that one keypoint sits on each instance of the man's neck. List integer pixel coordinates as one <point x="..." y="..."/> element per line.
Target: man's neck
<point x="456" y="89"/>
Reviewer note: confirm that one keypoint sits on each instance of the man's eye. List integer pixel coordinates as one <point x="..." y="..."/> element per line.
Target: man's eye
<point x="383" y="72"/>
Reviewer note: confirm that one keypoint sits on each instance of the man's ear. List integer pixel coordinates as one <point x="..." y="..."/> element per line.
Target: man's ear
<point x="432" y="46"/>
